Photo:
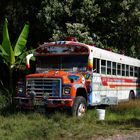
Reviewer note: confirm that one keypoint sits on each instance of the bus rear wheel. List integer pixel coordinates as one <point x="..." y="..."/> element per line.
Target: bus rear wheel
<point x="79" y="107"/>
<point x="132" y="95"/>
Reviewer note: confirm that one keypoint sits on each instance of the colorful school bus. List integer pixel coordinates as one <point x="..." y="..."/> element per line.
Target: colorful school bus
<point x="75" y="75"/>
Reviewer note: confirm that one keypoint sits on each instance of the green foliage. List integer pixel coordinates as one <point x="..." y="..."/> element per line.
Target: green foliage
<point x="3" y="101"/>
<point x="77" y="30"/>
<point x="116" y="23"/>
<point x="8" y="53"/>
<point x="57" y="16"/>
<point x="13" y="56"/>
<point x="51" y="12"/>
<point x="22" y="40"/>
<point x="86" y="11"/>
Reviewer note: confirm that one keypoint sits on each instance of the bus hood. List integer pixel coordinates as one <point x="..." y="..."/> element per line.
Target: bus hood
<point x="67" y="77"/>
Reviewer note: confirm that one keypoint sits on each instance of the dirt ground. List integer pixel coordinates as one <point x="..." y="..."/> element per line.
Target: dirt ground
<point x="132" y="136"/>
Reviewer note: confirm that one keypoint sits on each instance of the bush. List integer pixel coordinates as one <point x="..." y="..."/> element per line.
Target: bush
<point x="3" y="101"/>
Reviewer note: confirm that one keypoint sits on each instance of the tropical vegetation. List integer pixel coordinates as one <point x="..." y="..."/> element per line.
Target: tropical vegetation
<point x="12" y="59"/>
<point x="116" y="24"/>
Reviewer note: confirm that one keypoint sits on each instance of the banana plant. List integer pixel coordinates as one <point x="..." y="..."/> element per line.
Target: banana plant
<point x="12" y="55"/>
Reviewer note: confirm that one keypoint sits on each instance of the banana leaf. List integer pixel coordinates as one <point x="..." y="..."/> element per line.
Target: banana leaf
<point x="22" y="40"/>
<point x="6" y="45"/>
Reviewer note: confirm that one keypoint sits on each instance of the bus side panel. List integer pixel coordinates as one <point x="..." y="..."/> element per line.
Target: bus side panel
<point x="101" y="92"/>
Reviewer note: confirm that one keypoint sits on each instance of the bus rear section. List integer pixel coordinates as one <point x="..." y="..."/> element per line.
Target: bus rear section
<point x="116" y="75"/>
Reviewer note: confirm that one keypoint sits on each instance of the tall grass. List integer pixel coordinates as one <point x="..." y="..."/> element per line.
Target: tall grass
<point x="126" y="110"/>
<point x="122" y="118"/>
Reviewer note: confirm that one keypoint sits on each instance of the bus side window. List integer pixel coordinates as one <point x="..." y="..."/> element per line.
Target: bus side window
<point x="109" y="67"/>
<point x="118" y="69"/>
<point x="114" y="68"/>
<point x="96" y="65"/>
<point x="135" y="71"/>
<point x="138" y="72"/>
<point x="127" y="70"/>
<point x="103" y="66"/>
<point x="123" y="69"/>
<point x="131" y="70"/>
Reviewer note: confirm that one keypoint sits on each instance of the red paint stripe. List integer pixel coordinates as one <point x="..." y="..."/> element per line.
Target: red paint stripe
<point x="107" y="80"/>
<point x="114" y="86"/>
<point x="124" y="80"/>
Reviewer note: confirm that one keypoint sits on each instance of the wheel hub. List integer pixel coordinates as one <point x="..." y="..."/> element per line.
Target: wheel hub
<point x="81" y="110"/>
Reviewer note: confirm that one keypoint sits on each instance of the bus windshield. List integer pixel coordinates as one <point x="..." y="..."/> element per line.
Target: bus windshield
<point x="62" y="62"/>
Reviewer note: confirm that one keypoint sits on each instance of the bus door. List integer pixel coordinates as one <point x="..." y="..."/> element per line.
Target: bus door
<point x="119" y="81"/>
<point x="95" y="83"/>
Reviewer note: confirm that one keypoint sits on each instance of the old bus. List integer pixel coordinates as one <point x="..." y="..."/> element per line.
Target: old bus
<point x="76" y="75"/>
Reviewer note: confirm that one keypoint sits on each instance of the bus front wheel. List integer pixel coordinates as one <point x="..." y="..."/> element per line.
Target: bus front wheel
<point x="79" y="107"/>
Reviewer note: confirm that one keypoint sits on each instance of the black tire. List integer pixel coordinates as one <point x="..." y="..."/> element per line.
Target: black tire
<point x="132" y="95"/>
<point x="79" y="107"/>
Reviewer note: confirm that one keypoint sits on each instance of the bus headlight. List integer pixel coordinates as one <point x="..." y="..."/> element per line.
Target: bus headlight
<point x="66" y="90"/>
<point x="20" y="91"/>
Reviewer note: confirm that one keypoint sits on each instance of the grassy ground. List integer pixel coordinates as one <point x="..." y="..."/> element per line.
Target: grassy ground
<point x="124" y="118"/>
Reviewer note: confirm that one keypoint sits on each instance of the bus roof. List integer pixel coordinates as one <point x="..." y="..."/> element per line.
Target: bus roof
<point x="97" y="52"/>
<point x="114" y="57"/>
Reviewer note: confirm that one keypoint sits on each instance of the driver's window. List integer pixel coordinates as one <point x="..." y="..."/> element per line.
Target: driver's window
<point x="96" y="65"/>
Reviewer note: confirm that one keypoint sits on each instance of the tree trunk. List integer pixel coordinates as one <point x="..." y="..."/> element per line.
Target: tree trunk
<point x="11" y="90"/>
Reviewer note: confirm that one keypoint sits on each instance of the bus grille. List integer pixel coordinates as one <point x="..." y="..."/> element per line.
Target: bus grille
<point x="49" y="87"/>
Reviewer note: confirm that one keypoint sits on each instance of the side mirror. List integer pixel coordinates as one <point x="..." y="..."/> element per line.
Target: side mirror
<point x="90" y="64"/>
<point x="28" y="57"/>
